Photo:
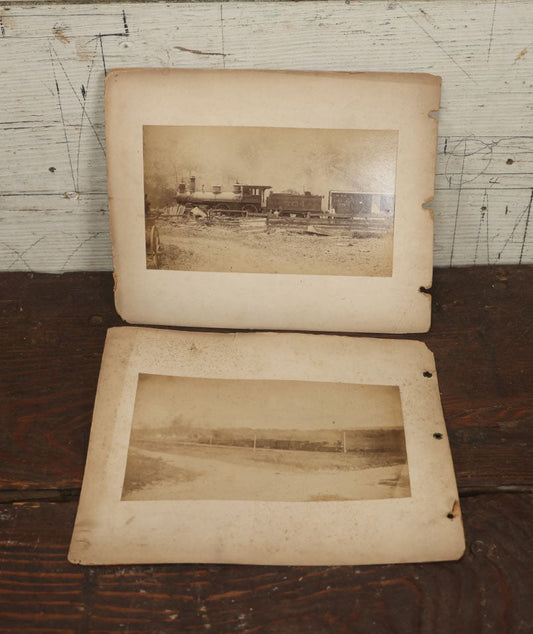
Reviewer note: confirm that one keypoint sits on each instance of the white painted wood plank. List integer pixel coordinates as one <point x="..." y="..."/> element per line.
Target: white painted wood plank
<point x="52" y="135"/>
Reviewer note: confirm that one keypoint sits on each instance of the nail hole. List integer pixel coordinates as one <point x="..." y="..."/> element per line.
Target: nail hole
<point x="509" y="161"/>
<point x="437" y="435"/>
<point x="423" y="289"/>
<point x="450" y="516"/>
<point x="52" y="169"/>
<point x="427" y="374"/>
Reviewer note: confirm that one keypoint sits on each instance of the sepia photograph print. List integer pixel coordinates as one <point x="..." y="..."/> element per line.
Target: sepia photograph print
<point x="293" y="441"/>
<point x="270" y="200"/>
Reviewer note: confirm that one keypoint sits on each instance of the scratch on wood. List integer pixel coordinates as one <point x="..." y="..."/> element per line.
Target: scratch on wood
<point x="196" y="51"/>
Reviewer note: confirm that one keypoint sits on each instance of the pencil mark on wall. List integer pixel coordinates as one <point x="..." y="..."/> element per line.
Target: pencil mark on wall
<point x="60" y="106"/>
<point x="437" y="44"/>
<point x="526" y="228"/>
<point x="84" y="90"/>
<point x="486" y="205"/>
<point x="222" y="36"/>
<point x="126" y="28"/>
<point x="483" y="176"/>
<point x="20" y="254"/>
<point x="492" y="28"/>
<point x="92" y="236"/>
<point x="78" y="99"/>
<point x="459" y="190"/>
<point x="484" y="208"/>
<point x="102" y="53"/>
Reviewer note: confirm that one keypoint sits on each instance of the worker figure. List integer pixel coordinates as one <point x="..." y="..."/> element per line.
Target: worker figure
<point x="331" y="214"/>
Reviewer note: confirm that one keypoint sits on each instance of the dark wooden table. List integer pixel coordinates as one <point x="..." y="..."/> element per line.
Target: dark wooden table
<point x="53" y="330"/>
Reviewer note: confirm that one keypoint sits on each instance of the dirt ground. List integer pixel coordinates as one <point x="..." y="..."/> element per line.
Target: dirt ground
<point x="242" y="474"/>
<point x="197" y="246"/>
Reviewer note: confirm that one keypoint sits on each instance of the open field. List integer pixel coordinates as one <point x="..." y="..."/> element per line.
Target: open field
<point x="163" y="470"/>
<point x="250" y="247"/>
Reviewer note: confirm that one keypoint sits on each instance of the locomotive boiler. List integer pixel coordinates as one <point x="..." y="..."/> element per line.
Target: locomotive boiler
<point x="249" y="198"/>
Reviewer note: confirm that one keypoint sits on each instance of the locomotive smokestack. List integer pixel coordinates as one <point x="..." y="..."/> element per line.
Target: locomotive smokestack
<point x="192" y="184"/>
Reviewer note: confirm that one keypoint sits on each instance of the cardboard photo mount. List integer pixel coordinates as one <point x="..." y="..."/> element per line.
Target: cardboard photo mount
<point x="403" y="103"/>
<point x="423" y="525"/>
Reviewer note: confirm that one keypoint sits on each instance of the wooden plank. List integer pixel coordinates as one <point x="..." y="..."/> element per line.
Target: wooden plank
<point x="53" y="58"/>
<point x="53" y="335"/>
<point x="485" y="591"/>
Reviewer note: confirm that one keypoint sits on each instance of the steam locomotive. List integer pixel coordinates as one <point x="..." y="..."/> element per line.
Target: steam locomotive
<point x="252" y="199"/>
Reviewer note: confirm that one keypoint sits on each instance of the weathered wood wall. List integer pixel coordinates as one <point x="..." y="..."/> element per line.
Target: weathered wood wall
<point x="53" y="212"/>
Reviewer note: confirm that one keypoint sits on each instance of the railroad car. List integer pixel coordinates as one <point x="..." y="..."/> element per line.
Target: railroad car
<point x="361" y="204"/>
<point x="294" y="203"/>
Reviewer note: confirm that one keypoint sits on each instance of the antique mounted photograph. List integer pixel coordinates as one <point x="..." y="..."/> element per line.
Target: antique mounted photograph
<point x="223" y="439"/>
<point x="266" y="448"/>
<point x="270" y="200"/>
<point x="290" y="201"/>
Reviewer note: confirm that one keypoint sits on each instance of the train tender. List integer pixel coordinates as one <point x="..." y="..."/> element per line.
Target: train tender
<point x="294" y="203"/>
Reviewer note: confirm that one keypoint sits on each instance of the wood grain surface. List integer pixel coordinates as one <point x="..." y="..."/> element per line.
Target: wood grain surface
<point x="50" y="350"/>
<point x="54" y="56"/>
<point x="487" y="591"/>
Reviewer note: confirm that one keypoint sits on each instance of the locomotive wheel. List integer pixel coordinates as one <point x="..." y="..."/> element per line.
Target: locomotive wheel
<point x="251" y="209"/>
<point x="155" y="245"/>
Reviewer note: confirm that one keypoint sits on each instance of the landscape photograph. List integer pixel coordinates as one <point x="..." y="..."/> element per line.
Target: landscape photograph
<point x="271" y="440"/>
<point x="270" y="200"/>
